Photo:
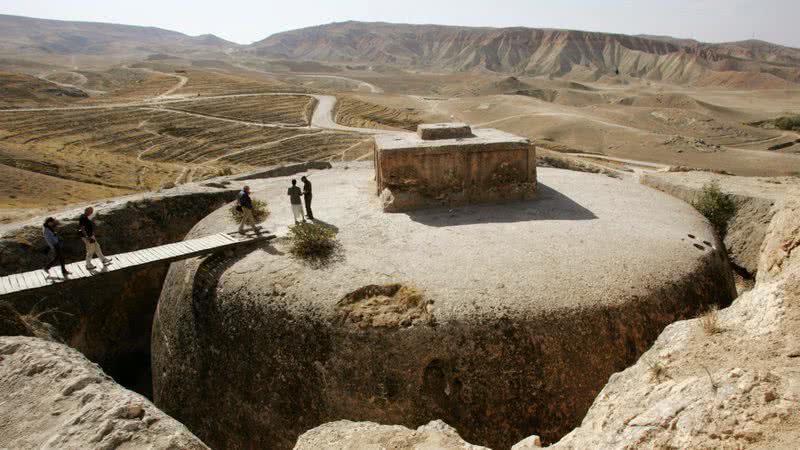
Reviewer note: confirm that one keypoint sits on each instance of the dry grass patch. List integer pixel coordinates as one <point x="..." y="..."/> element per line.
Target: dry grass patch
<point x="658" y="371"/>
<point x="385" y="306"/>
<point x="710" y="321"/>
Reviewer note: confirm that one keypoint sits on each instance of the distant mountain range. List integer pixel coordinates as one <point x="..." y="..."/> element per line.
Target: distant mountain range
<point x="570" y="54"/>
<point x="530" y="51"/>
<point x="27" y="36"/>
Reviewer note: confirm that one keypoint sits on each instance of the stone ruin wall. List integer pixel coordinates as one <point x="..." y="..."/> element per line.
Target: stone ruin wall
<point x="454" y="171"/>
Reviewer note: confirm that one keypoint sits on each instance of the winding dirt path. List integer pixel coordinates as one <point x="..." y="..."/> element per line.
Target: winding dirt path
<point x="182" y="80"/>
<point x="82" y="80"/>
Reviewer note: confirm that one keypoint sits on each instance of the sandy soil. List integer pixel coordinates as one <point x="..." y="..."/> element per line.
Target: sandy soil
<point x="182" y="122"/>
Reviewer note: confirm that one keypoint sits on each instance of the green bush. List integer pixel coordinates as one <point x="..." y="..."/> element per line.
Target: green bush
<point x="312" y="241"/>
<point x="260" y="212"/>
<point x="788" y="123"/>
<point x="718" y="207"/>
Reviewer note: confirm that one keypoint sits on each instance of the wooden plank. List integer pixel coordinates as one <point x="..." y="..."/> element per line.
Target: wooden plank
<point x="158" y="252"/>
<point x="202" y="243"/>
<point x="192" y="246"/>
<point x="13" y="283"/>
<point x="17" y="283"/>
<point x="219" y="241"/>
<point x="170" y="250"/>
<point x="78" y="270"/>
<point x="178" y="249"/>
<point x="136" y="257"/>
<point x="126" y="260"/>
<point x="151" y="255"/>
<point x="5" y="285"/>
<point x="40" y="276"/>
<point x="140" y="257"/>
<point x="228" y="237"/>
<point x="31" y="280"/>
<point x="165" y="256"/>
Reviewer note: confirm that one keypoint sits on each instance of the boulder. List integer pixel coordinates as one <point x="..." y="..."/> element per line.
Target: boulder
<point x="52" y="397"/>
<point x="502" y="320"/>
<point x="347" y="435"/>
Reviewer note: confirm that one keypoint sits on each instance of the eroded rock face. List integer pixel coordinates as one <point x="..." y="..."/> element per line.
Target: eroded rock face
<point x="525" y="310"/>
<point x="52" y="397"/>
<point x="347" y="435"/>
<point x="757" y="200"/>
<point x="735" y="386"/>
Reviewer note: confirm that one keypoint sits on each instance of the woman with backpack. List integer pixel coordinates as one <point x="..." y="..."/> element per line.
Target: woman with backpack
<point x="53" y="241"/>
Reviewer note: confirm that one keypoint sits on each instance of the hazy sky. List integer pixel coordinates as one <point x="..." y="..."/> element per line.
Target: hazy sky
<point x="245" y="21"/>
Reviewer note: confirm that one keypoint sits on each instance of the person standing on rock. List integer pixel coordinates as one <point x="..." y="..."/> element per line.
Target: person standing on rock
<point x="86" y="228"/>
<point x="294" y="194"/>
<point x="307" y="197"/>
<point x="246" y="207"/>
<point x="53" y="241"/>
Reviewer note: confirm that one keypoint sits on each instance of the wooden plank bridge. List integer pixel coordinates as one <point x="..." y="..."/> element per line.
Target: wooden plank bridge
<point x="37" y="279"/>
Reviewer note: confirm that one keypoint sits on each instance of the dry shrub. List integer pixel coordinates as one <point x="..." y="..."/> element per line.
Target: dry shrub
<point x="657" y="371"/>
<point x="260" y="212"/>
<point x="710" y="321"/>
<point x="313" y="242"/>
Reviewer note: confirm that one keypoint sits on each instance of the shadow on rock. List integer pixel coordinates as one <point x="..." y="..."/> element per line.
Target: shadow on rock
<point x="548" y="204"/>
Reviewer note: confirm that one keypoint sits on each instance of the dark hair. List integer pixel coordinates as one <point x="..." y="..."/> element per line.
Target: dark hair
<point x="303" y="178"/>
<point x="294" y="182"/>
<point x="48" y="220"/>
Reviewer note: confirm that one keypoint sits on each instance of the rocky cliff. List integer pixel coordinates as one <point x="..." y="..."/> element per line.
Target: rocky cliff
<point x="726" y="380"/>
<point x="52" y="397"/>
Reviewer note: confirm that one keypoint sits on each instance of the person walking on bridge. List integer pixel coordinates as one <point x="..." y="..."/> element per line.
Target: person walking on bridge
<point x="86" y="228"/>
<point x="245" y="205"/>
<point x="53" y="241"/>
<point x="294" y="194"/>
<point x="307" y="197"/>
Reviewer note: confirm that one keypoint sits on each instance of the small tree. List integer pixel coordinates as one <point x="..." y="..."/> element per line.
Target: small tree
<point x="260" y="212"/>
<point x="717" y="206"/>
<point x="788" y="123"/>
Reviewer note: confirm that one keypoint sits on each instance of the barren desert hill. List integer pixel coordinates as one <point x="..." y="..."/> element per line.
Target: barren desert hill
<point x="42" y="37"/>
<point x="574" y="54"/>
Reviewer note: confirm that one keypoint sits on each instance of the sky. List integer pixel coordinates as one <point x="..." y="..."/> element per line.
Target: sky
<point x="246" y="21"/>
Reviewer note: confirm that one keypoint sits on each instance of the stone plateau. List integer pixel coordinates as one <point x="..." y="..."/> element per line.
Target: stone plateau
<point x="501" y="320"/>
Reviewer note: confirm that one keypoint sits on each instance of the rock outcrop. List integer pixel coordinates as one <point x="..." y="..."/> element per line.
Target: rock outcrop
<point x="347" y="435"/>
<point x="757" y="200"/>
<point x="52" y="397"/>
<point x="725" y="380"/>
<point x="516" y="315"/>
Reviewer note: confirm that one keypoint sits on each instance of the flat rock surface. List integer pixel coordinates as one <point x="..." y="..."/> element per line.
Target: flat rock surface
<point x="585" y="240"/>
<point x="52" y="397"/>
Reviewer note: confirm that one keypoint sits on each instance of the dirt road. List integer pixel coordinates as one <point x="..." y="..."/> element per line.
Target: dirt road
<point x="80" y="84"/>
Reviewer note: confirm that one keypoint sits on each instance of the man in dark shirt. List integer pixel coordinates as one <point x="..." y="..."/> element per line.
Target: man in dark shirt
<point x="294" y="194"/>
<point x="246" y="204"/>
<point x="307" y="197"/>
<point x="86" y="227"/>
